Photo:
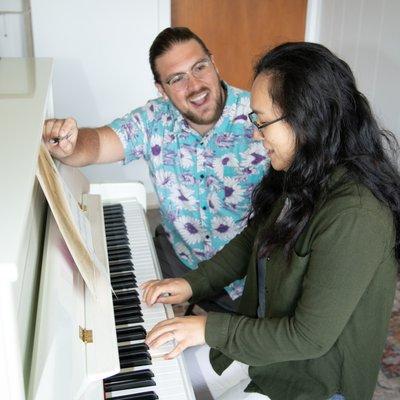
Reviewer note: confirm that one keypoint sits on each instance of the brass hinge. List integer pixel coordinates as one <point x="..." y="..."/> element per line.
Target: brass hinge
<point x="82" y="207"/>
<point x="86" y="335"/>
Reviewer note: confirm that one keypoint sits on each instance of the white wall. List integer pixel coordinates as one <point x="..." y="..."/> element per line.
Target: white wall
<point x="366" y="34"/>
<point x="15" y="29"/>
<point x="101" y="67"/>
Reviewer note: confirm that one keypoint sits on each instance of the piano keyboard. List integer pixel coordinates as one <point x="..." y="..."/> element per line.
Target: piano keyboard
<point x="144" y="375"/>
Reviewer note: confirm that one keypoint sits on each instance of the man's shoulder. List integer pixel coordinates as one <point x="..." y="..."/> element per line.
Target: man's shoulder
<point x="151" y="111"/>
<point x="238" y="100"/>
<point x="237" y="93"/>
<point x="159" y="104"/>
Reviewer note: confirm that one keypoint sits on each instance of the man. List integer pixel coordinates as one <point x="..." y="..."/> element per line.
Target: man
<point x="198" y="143"/>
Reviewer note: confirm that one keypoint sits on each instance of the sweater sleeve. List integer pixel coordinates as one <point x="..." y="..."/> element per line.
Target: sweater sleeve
<point x="226" y="266"/>
<point x="341" y="264"/>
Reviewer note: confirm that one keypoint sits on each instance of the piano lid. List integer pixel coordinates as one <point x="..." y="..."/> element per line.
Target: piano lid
<point x="24" y="88"/>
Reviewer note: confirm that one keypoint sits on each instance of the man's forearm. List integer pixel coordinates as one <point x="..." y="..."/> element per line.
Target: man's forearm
<point x="87" y="149"/>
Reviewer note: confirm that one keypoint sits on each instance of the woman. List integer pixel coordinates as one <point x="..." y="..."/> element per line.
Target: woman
<point x="321" y="249"/>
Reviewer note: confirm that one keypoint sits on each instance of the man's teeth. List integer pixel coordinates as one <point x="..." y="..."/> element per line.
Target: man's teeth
<point x="199" y="98"/>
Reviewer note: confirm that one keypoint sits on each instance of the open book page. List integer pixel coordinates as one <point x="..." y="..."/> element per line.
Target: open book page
<point x="71" y="220"/>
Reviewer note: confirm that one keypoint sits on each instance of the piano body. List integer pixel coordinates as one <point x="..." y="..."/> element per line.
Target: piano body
<point x="57" y="340"/>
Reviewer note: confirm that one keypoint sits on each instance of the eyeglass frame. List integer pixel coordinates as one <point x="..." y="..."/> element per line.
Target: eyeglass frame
<point x="265" y="124"/>
<point x="189" y="72"/>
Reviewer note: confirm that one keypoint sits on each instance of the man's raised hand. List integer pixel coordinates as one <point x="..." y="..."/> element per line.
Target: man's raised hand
<point x="60" y="136"/>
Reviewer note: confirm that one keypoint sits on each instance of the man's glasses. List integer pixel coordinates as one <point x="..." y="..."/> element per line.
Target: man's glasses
<point x="200" y="70"/>
<point x="260" y="125"/>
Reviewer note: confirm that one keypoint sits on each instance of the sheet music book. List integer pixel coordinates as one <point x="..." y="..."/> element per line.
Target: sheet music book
<point x="71" y="220"/>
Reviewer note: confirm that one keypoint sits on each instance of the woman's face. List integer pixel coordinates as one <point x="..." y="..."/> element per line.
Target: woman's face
<point x="278" y="138"/>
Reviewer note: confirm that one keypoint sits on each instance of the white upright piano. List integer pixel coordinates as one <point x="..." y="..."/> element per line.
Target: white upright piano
<point x="57" y="340"/>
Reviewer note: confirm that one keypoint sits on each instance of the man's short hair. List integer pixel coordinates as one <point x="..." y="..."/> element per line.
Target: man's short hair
<point x="166" y="39"/>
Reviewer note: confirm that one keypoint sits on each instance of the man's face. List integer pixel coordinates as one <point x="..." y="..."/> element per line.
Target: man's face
<point x="200" y="99"/>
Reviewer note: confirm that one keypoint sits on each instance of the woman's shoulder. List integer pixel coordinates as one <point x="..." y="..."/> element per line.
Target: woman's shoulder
<point x="347" y="196"/>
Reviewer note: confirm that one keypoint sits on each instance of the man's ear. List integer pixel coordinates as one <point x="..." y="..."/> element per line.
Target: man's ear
<point x="213" y="61"/>
<point x="161" y="91"/>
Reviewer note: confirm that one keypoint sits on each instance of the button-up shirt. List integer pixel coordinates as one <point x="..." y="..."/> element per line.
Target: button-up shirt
<point x="203" y="183"/>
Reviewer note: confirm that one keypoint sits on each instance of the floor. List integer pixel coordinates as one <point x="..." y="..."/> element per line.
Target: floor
<point x="388" y="386"/>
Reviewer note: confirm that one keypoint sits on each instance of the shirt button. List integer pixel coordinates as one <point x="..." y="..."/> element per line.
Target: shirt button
<point x="202" y="176"/>
<point x="207" y="236"/>
<point x="268" y="258"/>
<point x="204" y="208"/>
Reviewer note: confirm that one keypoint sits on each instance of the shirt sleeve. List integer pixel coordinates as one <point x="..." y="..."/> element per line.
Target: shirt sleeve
<point x="132" y="129"/>
<point x="341" y="265"/>
<point x="228" y="265"/>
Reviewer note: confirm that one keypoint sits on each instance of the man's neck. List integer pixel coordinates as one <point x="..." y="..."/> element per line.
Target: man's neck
<point x="203" y="129"/>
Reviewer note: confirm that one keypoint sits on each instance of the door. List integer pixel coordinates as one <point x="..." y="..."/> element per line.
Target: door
<point x="237" y="32"/>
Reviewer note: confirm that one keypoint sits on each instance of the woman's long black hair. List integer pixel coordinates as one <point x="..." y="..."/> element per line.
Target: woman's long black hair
<point x="334" y="126"/>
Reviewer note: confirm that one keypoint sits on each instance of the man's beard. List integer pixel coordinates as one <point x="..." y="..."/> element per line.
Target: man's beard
<point x="199" y="120"/>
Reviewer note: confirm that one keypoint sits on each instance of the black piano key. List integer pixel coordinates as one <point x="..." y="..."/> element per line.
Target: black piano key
<point x="128" y="348"/>
<point x="122" y="285"/>
<point x="118" y="247"/>
<point x="126" y="262"/>
<point x="131" y="333"/>
<point x="124" y="376"/>
<point x="110" y="226"/>
<point x="123" y="277"/>
<point x="116" y="231"/>
<point x="120" y="312"/>
<point x="128" y="294"/>
<point x="128" y="312"/>
<point x="114" y="220"/>
<point x="132" y="279"/>
<point x="138" y="396"/>
<point x="131" y="351"/>
<point x="129" y="281"/>
<point x="119" y="255"/>
<point x="116" y="235"/>
<point x="109" y="206"/>
<point x="138" y="361"/>
<point x="113" y="242"/>
<point x="125" y="302"/>
<point x="111" y="214"/>
<point x="116" y="238"/>
<point x="118" y="269"/>
<point x="131" y="384"/>
<point x="129" y="380"/>
<point x="129" y="319"/>
<point x="113" y="211"/>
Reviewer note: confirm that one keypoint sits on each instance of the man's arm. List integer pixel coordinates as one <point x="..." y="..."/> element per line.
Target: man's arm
<point x="80" y="147"/>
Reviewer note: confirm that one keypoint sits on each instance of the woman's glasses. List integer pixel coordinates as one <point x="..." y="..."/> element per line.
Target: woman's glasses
<point x="260" y="125"/>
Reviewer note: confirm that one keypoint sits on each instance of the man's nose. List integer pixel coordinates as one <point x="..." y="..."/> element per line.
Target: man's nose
<point x="193" y="83"/>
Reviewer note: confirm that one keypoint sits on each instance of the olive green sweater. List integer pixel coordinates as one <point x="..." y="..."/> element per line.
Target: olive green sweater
<point x="327" y="311"/>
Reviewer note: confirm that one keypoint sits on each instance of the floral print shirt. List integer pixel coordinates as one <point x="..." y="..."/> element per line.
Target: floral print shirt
<point x="203" y="183"/>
